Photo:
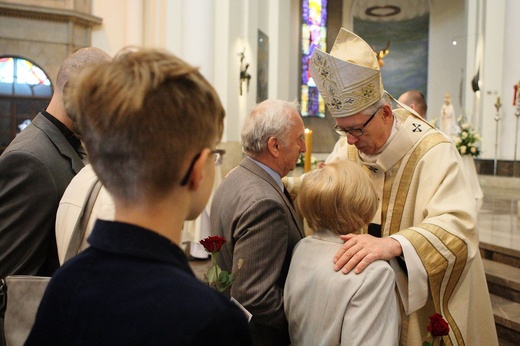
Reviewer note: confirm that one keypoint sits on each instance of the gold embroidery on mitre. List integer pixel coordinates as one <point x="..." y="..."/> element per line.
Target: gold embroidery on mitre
<point x="368" y="91"/>
<point x="348" y="79"/>
<point x="344" y="100"/>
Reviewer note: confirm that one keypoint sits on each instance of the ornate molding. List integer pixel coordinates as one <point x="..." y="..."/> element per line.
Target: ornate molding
<point x="51" y="14"/>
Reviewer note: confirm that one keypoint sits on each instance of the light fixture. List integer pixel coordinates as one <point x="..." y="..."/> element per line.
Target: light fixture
<point x="389" y="10"/>
<point x="383" y="11"/>
<point x="244" y="75"/>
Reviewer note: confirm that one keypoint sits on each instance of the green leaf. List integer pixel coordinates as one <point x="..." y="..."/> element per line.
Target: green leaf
<point x="223" y="277"/>
<point x="213" y="274"/>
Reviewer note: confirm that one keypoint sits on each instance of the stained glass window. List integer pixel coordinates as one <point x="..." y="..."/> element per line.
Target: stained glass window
<point x="314" y="35"/>
<point x="24" y="91"/>
<point x="20" y="77"/>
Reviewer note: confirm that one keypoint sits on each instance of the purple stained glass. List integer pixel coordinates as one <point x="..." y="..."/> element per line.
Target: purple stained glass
<point x="305" y="11"/>
<point x="314" y="104"/>
<point x="305" y="71"/>
<point x="314" y="35"/>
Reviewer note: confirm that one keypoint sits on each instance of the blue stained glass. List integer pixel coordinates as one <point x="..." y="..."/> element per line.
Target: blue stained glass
<point x="314" y="35"/>
<point x="21" y="77"/>
<point x="6" y="70"/>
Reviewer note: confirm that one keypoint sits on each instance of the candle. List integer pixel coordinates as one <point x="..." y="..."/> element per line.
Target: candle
<point x="515" y="96"/>
<point x="308" y="150"/>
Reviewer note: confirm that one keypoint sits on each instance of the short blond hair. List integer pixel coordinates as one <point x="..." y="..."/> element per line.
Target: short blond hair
<point x="143" y="117"/>
<point x="339" y="197"/>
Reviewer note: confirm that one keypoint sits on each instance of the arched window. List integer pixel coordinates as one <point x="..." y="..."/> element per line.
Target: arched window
<point x="313" y="35"/>
<point x="24" y="90"/>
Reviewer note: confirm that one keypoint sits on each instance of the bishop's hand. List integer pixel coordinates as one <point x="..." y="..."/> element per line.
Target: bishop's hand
<point x="359" y="250"/>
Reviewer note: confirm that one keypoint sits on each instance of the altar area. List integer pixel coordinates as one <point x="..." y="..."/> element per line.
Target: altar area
<point x="499" y="214"/>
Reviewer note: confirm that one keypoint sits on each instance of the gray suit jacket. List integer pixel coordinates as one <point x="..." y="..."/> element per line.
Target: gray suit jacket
<point x="261" y="227"/>
<point x="35" y="169"/>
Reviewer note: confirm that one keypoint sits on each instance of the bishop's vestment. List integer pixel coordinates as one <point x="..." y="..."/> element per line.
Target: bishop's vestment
<point x="427" y="204"/>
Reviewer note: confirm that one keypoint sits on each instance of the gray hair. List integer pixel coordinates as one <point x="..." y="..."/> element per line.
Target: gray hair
<point x="271" y="118"/>
<point x="384" y="100"/>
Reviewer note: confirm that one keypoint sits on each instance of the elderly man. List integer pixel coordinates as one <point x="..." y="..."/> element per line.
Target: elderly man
<point x="426" y="219"/>
<point x="414" y="99"/>
<point x="252" y="211"/>
<point x="36" y="168"/>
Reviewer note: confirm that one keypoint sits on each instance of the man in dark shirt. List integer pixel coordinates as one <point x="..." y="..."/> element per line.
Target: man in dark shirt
<point x="35" y="169"/>
<point x="150" y="123"/>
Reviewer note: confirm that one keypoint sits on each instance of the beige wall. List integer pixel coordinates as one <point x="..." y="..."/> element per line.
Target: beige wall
<point x="212" y="36"/>
<point x="45" y="36"/>
<point x="83" y="6"/>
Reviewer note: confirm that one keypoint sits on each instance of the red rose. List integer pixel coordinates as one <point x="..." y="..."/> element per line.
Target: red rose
<point x="438" y="326"/>
<point x="213" y="243"/>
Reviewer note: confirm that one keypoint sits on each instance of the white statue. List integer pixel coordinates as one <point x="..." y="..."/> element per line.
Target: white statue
<point x="447" y="117"/>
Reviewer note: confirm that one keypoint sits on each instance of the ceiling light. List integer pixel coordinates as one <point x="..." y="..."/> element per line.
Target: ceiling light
<point x="383" y="11"/>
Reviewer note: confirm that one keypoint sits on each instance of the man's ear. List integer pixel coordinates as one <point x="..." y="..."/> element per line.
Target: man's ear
<point x="274" y="146"/>
<point x="198" y="171"/>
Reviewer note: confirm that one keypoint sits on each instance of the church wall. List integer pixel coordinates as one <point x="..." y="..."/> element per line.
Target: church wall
<point x="222" y="60"/>
<point x="230" y="41"/>
<point x="491" y="77"/>
<point x="83" y="6"/>
<point x="236" y="28"/>
<point x="111" y="35"/>
<point x="214" y="37"/>
<point x="48" y="54"/>
<point x="492" y="29"/>
<point x="485" y="32"/>
<point x="510" y="77"/>
<point x="446" y="62"/>
<point x="45" y="36"/>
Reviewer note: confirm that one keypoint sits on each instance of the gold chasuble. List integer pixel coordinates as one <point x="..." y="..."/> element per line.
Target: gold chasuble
<point x="426" y="204"/>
